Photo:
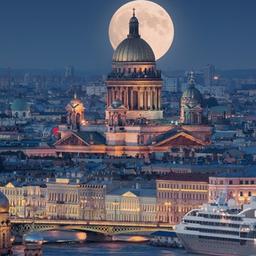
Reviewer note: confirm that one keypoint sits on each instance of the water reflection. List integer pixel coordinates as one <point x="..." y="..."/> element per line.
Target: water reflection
<point x="106" y="249"/>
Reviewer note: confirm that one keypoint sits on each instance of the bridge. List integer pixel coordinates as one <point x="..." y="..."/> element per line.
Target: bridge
<point x="100" y="228"/>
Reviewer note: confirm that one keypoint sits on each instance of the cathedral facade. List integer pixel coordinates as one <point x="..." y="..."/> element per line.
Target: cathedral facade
<point x="134" y="122"/>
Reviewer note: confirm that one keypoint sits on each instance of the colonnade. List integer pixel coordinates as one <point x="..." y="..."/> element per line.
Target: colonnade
<point x="136" y="98"/>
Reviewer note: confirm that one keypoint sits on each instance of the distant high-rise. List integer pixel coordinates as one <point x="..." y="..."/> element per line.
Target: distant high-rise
<point x="209" y="72"/>
<point x="69" y="71"/>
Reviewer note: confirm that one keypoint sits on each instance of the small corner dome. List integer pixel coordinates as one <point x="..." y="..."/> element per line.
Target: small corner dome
<point x="192" y="96"/>
<point x="4" y="203"/>
<point x="19" y="105"/>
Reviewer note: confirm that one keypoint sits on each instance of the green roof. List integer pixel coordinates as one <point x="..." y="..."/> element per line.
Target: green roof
<point x="19" y="105"/>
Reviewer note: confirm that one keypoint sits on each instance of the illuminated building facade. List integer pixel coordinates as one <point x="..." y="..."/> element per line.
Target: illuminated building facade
<point x="5" y="226"/>
<point x="62" y="199"/>
<point x="136" y="205"/>
<point x="134" y="124"/>
<point x="92" y="201"/>
<point x="75" y="114"/>
<point x="179" y="194"/>
<point x="238" y="186"/>
<point x="25" y="201"/>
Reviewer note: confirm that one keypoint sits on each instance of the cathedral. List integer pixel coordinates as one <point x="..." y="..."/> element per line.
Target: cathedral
<point x="134" y="123"/>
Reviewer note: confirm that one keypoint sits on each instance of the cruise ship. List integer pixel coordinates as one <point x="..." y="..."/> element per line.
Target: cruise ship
<point x="220" y="229"/>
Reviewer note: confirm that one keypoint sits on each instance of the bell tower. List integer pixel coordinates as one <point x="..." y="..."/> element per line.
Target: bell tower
<point x="75" y="113"/>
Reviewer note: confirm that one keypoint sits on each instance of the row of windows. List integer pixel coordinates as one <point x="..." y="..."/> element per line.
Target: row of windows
<point x="243" y="194"/>
<point x="220" y="239"/>
<point x="135" y="70"/>
<point x="215" y="194"/>
<point x="221" y="224"/>
<point x="230" y="182"/>
<point x="64" y="210"/>
<point x="216" y="231"/>
<point x="132" y="217"/>
<point x="183" y="186"/>
<point x="175" y="208"/>
<point x="180" y="195"/>
<point x="20" y="192"/>
<point x="216" y="216"/>
<point x="172" y="219"/>
<point x="125" y="206"/>
<point x="63" y="197"/>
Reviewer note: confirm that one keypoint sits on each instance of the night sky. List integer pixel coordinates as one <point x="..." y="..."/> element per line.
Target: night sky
<point x="51" y="34"/>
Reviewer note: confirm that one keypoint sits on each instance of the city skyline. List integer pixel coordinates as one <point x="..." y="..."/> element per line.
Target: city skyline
<point x="115" y="146"/>
<point x="49" y="35"/>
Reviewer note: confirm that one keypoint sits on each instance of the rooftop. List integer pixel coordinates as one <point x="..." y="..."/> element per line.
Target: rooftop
<point x="246" y="173"/>
<point x="186" y="177"/>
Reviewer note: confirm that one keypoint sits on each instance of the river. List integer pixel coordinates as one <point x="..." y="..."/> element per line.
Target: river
<point x="106" y="249"/>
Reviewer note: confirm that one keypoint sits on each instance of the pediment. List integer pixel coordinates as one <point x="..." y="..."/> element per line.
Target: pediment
<point x="71" y="140"/>
<point x="9" y="185"/>
<point x="129" y="194"/>
<point x="180" y="139"/>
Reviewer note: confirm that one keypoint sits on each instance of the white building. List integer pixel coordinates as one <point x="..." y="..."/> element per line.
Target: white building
<point x="131" y="205"/>
<point x="25" y="201"/>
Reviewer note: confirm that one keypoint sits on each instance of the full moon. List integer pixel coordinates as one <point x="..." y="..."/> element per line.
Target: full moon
<point x="156" y="26"/>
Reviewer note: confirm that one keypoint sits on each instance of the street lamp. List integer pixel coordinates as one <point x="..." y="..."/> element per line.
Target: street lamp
<point x="168" y="205"/>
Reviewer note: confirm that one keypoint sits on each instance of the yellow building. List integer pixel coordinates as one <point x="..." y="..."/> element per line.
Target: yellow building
<point x="62" y="199"/>
<point x="180" y="193"/>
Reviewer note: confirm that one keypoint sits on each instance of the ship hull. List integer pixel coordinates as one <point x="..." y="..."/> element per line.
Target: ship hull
<point x="217" y="247"/>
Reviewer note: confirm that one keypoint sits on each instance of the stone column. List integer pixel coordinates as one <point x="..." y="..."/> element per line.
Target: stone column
<point x="132" y="107"/>
<point x="155" y="99"/>
<point x="146" y="99"/>
<point x="126" y="97"/>
<point x="138" y="95"/>
<point x="159" y="98"/>
<point x="142" y="98"/>
<point x="113" y="94"/>
<point x="149" y="99"/>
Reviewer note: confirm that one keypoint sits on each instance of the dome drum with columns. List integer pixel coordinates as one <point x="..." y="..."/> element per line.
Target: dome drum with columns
<point x="134" y="79"/>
